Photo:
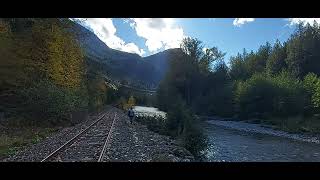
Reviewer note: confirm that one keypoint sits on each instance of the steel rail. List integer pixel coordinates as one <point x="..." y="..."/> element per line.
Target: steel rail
<point x="72" y="139"/>
<point x="107" y="140"/>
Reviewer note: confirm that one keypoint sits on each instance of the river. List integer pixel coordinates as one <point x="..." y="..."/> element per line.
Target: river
<point x="230" y="145"/>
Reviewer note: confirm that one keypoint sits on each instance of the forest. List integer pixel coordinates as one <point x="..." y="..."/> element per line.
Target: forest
<point x="44" y="73"/>
<point x="276" y="85"/>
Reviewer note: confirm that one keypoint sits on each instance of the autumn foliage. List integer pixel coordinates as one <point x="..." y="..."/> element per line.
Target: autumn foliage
<point x="43" y="74"/>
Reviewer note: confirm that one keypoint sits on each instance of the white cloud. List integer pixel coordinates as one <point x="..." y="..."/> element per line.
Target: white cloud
<point x="240" y="21"/>
<point x="158" y="32"/>
<point x="294" y="21"/>
<point x="204" y="49"/>
<point x="131" y="47"/>
<point x="127" y="20"/>
<point x="106" y="31"/>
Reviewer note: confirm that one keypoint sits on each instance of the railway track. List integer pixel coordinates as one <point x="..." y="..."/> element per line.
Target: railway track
<point x="89" y="145"/>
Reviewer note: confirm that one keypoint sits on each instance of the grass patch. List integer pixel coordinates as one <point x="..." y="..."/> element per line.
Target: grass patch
<point x="8" y="145"/>
<point x="15" y="138"/>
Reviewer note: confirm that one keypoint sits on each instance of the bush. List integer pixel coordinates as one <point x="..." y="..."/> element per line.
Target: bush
<point x="290" y="95"/>
<point x="312" y="85"/>
<point x="99" y="92"/>
<point x="154" y="123"/>
<point x="177" y="115"/>
<point x="262" y="96"/>
<point x="194" y="139"/>
<point x="316" y="97"/>
<point x="46" y="101"/>
<point x="182" y="123"/>
<point x="254" y="96"/>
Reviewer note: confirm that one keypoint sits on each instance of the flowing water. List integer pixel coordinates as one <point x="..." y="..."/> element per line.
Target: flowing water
<point x="231" y="145"/>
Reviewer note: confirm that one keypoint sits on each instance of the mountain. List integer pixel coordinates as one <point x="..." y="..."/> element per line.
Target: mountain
<point x="160" y="61"/>
<point x="123" y="66"/>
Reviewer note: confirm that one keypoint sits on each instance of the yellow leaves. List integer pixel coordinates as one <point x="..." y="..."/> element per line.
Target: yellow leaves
<point x="45" y="50"/>
<point x="64" y="64"/>
<point x="130" y="103"/>
<point x="4" y="28"/>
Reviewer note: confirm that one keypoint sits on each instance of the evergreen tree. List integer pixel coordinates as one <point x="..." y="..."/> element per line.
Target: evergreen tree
<point x="303" y="50"/>
<point x="276" y="61"/>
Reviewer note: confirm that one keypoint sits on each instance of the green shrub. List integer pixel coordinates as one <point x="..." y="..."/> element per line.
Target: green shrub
<point x="316" y="96"/>
<point x="177" y="115"/>
<point x="264" y="96"/>
<point x="254" y="96"/>
<point x="194" y="139"/>
<point x="311" y="84"/>
<point x="45" y="101"/>
<point x="182" y="124"/>
<point x="290" y="97"/>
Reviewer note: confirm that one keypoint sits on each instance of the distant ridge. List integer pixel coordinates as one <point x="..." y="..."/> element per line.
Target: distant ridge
<point x="124" y="66"/>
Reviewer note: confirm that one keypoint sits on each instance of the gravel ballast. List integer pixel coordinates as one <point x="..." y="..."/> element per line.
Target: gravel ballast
<point x="135" y="143"/>
<point x="127" y="143"/>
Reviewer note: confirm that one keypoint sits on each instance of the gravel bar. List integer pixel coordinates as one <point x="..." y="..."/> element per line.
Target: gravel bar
<point x="257" y="128"/>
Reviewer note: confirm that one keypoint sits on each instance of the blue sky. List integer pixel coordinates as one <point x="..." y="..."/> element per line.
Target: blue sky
<point x="146" y="36"/>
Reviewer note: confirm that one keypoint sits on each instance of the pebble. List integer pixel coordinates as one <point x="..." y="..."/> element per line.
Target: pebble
<point x="137" y="139"/>
<point x="128" y="143"/>
<point x="256" y="128"/>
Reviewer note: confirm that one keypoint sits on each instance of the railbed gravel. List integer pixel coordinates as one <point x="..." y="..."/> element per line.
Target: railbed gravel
<point x="128" y="143"/>
<point x="88" y="146"/>
<point x="135" y="143"/>
<point x="36" y="152"/>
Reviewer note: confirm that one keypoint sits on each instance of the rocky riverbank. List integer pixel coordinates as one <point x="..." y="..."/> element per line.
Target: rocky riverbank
<point x="258" y="128"/>
<point x="135" y="143"/>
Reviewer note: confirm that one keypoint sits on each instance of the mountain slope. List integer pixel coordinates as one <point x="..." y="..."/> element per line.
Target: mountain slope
<point x="160" y="61"/>
<point x="123" y="66"/>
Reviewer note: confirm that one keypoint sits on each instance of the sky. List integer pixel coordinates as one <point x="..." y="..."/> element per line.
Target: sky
<point x="147" y="36"/>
